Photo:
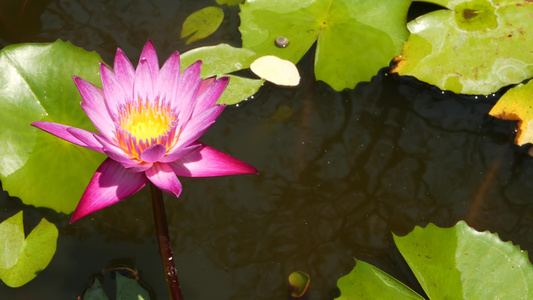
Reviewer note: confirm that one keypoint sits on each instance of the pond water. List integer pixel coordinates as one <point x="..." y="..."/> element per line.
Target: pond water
<point x="339" y="173"/>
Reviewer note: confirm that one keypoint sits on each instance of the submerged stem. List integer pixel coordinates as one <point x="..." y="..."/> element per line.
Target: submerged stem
<point x="165" y="247"/>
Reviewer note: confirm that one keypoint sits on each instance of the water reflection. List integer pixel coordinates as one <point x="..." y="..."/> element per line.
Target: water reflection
<point x="339" y="173"/>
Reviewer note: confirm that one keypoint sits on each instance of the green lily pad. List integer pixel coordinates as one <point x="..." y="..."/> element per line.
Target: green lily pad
<point x="356" y="38"/>
<point x="475" y="47"/>
<point x="449" y="263"/>
<point x="462" y="263"/>
<point x="299" y="283"/>
<point x="95" y="292"/>
<point x="516" y="105"/>
<point x="230" y="2"/>
<point x="368" y="282"/>
<point x="220" y="60"/>
<point x="22" y="259"/>
<point x="127" y="288"/>
<point x="202" y="23"/>
<point x="36" y="85"/>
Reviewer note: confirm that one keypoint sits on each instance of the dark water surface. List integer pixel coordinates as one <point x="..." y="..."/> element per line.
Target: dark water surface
<point x="339" y="173"/>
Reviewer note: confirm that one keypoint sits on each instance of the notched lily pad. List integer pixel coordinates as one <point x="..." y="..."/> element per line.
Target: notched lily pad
<point x="202" y="23"/>
<point x="449" y="263"/>
<point x="354" y="38"/>
<point x="21" y="259"/>
<point x="476" y="47"/>
<point x="36" y="85"/>
<point x="462" y="263"/>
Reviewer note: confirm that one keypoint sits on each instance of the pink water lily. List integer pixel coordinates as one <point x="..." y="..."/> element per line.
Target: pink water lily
<point x="149" y="120"/>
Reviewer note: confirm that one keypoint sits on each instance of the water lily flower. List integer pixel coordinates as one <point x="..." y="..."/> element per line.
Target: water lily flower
<point x="149" y="120"/>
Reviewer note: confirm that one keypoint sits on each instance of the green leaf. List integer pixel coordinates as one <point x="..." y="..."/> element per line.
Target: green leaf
<point x="95" y="292"/>
<point x="202" y="23"/>
<point x="356" y="38"/>
<point x="475" y="47"/>
<point x="516" y="105"/>
<point x="368" y="282"/>
<point x="128" y="288"/>
<point x="299" y="283"/>
<point x="221" y="60"/>
<point x="461" y="263"/>
<point x="36" y="85"/>
<point x="230" y="2"/>
<point x="12" y="241"/>
<point x="36" y="253"/>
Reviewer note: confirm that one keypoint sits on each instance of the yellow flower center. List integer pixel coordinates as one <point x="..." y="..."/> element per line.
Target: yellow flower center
<point x="143" y="124"/>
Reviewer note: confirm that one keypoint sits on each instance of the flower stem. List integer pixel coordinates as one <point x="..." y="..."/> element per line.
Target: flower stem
<point x="165" y="247"/>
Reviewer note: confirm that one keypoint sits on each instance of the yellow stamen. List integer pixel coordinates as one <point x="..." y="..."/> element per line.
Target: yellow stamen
<point x="145" y="121"/>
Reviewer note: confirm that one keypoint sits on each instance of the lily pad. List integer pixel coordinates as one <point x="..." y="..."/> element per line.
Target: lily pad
<point x="220" y="60"/>
<point x="355" y="38"/>
<point x="202" y="23"/>
<point x="23" y="258"/>
<point x="230" y="2"/>
<point x="449" y="263"/>
<point x="474" y="47"/>
<point x="368" y="282"/>
<point x="516" y="105"/>
<point x="95" y="292"/>
<point x="299" y="283"/>
<point x="36" y="85"/>
<point x="127" y="288"/>
<point x="462" y="263"/>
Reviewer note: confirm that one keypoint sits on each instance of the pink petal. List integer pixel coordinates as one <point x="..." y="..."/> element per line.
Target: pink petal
<point x="197" y="126"/>
<point x="208" y="162"/>
<point x="206" y="83"/>
<point x="62" y="131"/>
<point x="124" y="72"/>
<point x="150" y="56"/>
<point x="210" y="95"/>
<point x="86" y="137"/>
<point x="143" y="86"/>
<point x="94" y="106"/>
<point x="110" y="184"/>
<point x="167" y="80"/>
<point x="115" y="152"/>
<point x="114" y="91"/>
<point x="153" y="153"/>
<point x="178" y="153"/>
<point x="188" y="86"/>
<point x="164" y="178"/>
<point x="138" y="167"/>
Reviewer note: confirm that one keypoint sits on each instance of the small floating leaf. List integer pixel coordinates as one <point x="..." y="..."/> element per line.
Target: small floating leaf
<point x="515" y="105"/>
<point x="95" y="292"/>
<point x="129" y="288"/>
<point x="202" y="23"/>
<point x="33" y="254"/>
<point x="276" y="70"/>
<point x="299" y="282"/>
